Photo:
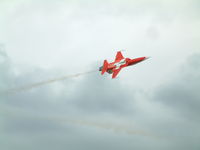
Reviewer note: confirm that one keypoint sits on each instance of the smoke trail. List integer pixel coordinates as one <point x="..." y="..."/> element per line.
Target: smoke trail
<point x="112" y="127"/>
<point x="63" y="120"/>
<point x="34" y="85"/>
<point x="116" y="128"/>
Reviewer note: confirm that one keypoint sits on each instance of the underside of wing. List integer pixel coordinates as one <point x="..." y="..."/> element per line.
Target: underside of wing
<point x="119" y="56"/>
<point x="115" y="72"/>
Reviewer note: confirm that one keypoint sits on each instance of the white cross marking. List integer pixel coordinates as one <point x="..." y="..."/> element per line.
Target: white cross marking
<point x="119" y="64"/>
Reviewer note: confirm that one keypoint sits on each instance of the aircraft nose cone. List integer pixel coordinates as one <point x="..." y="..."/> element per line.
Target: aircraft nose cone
<point x="146" y="58"/>
<point x="142" y="58"/>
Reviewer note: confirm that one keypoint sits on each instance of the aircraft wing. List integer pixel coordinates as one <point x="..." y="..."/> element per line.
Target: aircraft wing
<point x="115" y="72"/>
<point x="119" y="56"/>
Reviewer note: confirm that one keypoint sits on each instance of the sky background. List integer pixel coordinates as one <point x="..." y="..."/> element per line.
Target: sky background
<point x="152" y="105"/>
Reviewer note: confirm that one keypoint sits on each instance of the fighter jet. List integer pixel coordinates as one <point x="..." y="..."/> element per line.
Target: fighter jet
<point x="119" y="63"/>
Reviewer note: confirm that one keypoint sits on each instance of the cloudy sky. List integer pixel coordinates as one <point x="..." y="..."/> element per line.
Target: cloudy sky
<point x="153" y="105"/>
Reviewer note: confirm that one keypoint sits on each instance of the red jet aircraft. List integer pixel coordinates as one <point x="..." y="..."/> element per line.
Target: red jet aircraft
<point x="119" y="63"/>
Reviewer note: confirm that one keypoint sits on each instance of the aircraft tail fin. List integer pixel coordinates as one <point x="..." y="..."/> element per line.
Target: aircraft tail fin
<point x="105" y="67"/>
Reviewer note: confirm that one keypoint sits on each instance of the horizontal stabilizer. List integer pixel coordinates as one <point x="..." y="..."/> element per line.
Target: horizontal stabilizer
<point x="115" y="72"/>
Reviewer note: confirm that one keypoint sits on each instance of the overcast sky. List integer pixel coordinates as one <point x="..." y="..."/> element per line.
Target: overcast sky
<point x="152" y="105"/>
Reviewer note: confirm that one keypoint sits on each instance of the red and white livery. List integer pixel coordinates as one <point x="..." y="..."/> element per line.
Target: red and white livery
<point x="119" y="63"/>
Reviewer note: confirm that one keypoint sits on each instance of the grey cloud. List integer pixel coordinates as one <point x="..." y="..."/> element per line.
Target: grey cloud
<point x="97" y="94"/>
<point x="5" y="71"/>
<point x="182" y="92"/>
